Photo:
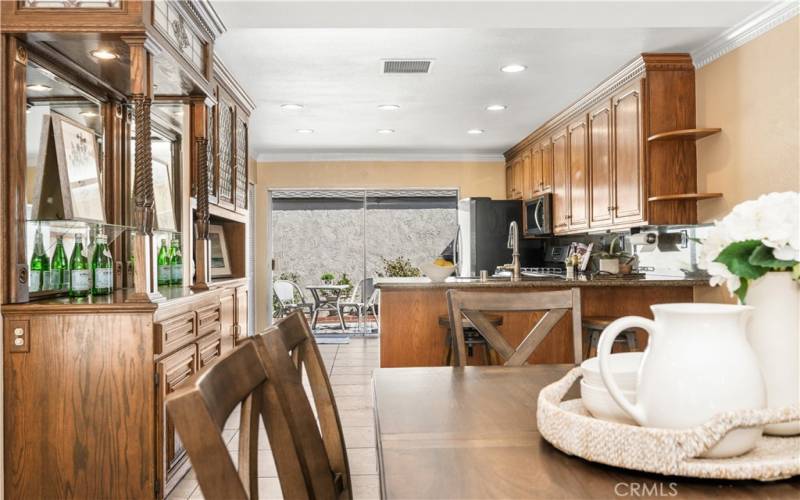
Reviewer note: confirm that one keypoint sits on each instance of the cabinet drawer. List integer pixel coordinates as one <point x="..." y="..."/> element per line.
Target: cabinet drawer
<point x="208" y="320"/>
<point x="208" y="350"/>
<point x="174" y="332"/>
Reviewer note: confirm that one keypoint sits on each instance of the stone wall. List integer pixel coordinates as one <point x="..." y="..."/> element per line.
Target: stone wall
<point x="313" y="242"/>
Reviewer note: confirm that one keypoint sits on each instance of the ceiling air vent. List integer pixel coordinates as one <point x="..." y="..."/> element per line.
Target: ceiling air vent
<point x="406" y="66"/>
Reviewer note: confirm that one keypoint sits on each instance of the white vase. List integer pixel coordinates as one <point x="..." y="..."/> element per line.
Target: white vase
<point x="774" y="333"/>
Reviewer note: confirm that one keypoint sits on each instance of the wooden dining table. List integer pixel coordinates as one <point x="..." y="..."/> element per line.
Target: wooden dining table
<point x="470" y="432"/>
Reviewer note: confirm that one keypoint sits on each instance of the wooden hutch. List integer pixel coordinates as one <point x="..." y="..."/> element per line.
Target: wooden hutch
<point x="85" y="378"/>
<point x="621" y="156"/>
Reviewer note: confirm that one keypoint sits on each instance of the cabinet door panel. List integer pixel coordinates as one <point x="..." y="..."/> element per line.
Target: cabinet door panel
<point x="241" y="313"/>
<point x="227" y="320"/>
<point x="628" y="156"/>
<point x="509" y="181"/>
<point x="536" y="170"/>
<point x="560" y="182"/>
<point x="578" y="217"/>
<point x="527" y="175"/>
<point x="172" y="371"/>
<point x="600" y="161"/>
<point x="547" y="166"/>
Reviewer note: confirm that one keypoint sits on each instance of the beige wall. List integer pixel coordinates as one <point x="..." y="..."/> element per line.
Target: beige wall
<point x="752" y="94"/>
<point x="471" y="178"/>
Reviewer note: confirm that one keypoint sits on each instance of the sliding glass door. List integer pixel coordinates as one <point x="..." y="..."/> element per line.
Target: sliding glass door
<point x="329" y="246"/>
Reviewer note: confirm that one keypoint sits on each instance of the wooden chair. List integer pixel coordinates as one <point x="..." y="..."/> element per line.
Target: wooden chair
<point x="289" y="350"/>
<point x="473" y="305"/>
<point x="200" y="409"/>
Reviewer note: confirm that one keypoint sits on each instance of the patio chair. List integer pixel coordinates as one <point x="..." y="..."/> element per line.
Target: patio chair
<point x="355" y="301"/>
<point x="288" y="293"/>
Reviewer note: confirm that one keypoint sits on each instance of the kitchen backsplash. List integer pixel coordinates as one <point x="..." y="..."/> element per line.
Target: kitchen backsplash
<point x="674" y="253"/>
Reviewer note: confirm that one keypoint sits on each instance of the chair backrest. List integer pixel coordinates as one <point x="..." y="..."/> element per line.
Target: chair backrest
<point x="200" y="409"/>
<point x="374" y="297"/>
<point x="285" y="290"/>
<point x="472" y="305"/>
<point x="368" y="288"/>
<point x="355" y="293"/>
<point x="290" y="351"/>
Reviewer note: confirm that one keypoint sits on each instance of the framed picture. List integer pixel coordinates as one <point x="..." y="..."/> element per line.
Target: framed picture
<point x="162" y="192"/>
<point x="78" y="168"/>
<point x="220" y="264"/>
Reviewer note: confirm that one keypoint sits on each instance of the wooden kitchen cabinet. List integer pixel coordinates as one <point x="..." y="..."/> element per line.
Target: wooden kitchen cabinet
<point x="560" y="182"/>
<point x="596" y="156"/>
<point x="241" y="329"/>
<point x="509" y="180"/>
<point x="536" y="170"/>
<point x="600" y="174"/>
<point x="170" y="373"/>
<point x="227" y="319"/>
<point x="578" y="176"/>
<point x="628" y="162"/>
<point x="527" y="176"/>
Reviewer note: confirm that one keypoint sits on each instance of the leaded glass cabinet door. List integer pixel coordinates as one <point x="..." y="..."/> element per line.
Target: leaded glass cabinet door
<point x="225" y="159"/>
<point x="241" y="164"/>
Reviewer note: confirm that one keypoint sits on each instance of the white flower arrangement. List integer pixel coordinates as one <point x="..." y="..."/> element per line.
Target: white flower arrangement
<point x="757" y="237"/>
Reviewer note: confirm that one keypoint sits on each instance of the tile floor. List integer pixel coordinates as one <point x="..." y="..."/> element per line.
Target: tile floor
<point x="350" y="369"/>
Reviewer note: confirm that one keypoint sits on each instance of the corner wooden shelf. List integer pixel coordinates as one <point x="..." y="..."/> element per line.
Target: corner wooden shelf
<point x="688" y="133"/>
<point x="685" y="196"/>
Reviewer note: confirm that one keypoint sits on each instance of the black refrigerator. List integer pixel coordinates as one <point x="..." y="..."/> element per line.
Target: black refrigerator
<point x="482" y="240"/>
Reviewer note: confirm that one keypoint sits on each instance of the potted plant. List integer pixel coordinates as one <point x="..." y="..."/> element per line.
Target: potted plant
<point x="327" y="278"/>
<point x="608" y="261"/>
<point x="755" y="252"/>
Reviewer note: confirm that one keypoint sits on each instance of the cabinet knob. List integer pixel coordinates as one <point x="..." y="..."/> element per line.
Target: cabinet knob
<point x="568" y="217"/>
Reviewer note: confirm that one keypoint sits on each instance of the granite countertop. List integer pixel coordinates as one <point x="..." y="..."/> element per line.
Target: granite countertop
<point x="539" y="282"/>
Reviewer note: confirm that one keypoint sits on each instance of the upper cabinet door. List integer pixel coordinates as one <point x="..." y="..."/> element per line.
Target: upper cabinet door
<point x="560" y="182"/>
<point x="509" y="181"/>
<point x="536" y="170"/>
<point x="547" y="166"/>
<point x="578" y="217"/>
<point x="600" y="161"/>
<point x="527" y="176"/>
<point x="628" y="176"/>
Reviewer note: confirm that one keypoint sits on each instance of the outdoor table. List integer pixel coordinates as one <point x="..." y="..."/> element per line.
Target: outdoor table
<point x="326" y="298"/>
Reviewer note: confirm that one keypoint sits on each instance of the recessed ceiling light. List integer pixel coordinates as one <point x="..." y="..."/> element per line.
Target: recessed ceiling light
<point x="104" y="54"/>
<point x="496" y="107"/>
<point x="89" y="113"/>
<point x="385" y="131"/>
<point x="513" y="68"/>
<point x="291" y="106"/>
<point x="39" y="88"/>
<point x="305" y="131"/>
<point x="388" y="107"/>
<point x="475" y="131"/>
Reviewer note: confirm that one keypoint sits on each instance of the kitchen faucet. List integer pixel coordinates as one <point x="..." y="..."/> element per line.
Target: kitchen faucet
<point x="513" y="244"/>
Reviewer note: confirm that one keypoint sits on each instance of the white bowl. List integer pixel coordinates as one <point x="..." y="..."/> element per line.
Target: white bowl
<point x="602" y="406"/>
<point x="624" y="367"/>
<point x="436" y="273"/>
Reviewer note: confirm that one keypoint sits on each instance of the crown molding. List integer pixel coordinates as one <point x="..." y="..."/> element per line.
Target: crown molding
<point x="749" y="29"/>
<point x="224" y="76"/>
<point x="377" y="156"/>
<point x="209" y="18"/>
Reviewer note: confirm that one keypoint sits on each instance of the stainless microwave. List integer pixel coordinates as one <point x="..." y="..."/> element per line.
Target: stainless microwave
<point x="537" y="216"/>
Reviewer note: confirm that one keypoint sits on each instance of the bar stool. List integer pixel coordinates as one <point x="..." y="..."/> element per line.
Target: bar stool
<point x="595" y="325"/>
<point x="471" y="337"/>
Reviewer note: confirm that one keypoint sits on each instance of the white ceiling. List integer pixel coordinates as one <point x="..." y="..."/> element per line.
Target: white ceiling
<point x="326" y="55"/>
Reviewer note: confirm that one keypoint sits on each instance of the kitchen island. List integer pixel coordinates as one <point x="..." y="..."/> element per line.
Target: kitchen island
<point x="410" y="311"/>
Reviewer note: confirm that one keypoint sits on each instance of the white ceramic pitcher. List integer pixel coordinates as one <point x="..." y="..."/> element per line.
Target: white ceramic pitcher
<point x="698" y="363"/>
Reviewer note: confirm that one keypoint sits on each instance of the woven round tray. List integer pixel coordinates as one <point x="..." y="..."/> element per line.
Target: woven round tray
<point x="569" y="427"/>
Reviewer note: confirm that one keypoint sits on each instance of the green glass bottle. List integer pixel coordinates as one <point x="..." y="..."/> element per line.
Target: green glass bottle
<point x="59" y="271"/>
<point x="176" y="263"/>
<point x="164" y="270"/>
<point x="39" y="278"/>
<point x="130" y="270"/>
<point x="102" y="267"/>
<point x="79" y="273"/>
